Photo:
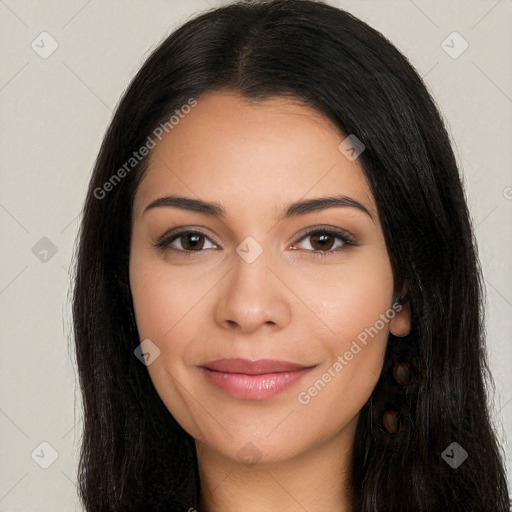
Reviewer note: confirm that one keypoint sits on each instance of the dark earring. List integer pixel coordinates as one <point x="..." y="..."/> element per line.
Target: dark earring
<point x="402" y="374"/>
<point x="391" y="422"/>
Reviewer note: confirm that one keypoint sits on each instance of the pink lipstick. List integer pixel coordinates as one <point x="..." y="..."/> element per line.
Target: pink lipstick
<point x="253" y="379"/>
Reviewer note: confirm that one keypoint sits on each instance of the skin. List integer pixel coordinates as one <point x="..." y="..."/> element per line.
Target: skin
<point x="254" y="159"/>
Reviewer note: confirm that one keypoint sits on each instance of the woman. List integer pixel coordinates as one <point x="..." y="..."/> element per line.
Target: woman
<point x="278" y="297"/>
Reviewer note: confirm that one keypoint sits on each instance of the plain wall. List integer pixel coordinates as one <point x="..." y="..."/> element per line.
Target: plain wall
<point x="53" y="114"/>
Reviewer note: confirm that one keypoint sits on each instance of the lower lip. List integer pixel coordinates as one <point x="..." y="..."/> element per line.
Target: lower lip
<point x="254" y="387"/>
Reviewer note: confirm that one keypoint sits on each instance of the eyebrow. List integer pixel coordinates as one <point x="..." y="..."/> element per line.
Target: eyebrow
<point x="291" y="210"/>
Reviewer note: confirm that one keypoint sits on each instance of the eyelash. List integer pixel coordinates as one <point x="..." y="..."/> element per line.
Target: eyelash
<point x="164" y="242"/>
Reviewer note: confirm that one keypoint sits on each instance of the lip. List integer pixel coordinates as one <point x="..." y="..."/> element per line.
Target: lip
<point x="253" y="367"/>
<point x="253" y="379"/>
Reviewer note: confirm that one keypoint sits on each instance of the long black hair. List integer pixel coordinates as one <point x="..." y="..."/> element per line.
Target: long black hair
<point x="433" y="389"/>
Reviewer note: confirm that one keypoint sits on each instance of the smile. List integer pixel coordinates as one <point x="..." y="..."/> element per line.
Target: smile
<point x="253" y="380"/>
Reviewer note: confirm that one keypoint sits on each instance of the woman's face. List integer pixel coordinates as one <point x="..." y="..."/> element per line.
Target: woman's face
<point x="260" y="279"/>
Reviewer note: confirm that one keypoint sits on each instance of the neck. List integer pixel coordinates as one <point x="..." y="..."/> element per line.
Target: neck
<point x="314" y="480"/>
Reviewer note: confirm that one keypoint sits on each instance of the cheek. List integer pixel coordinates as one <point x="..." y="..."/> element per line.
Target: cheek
<point x="355" y="309"/>
<point x="162" y="310"/>
<point x="166" y="307"/>
<point x="349" y="298"/>
<point x="164" y="300"/>
<point x="171" y="309"/>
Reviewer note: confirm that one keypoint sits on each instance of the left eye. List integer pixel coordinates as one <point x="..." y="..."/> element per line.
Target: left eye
<point x="324" y="241"/>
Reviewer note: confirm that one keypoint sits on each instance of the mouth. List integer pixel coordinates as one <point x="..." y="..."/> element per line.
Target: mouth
<point x="253" y="379"/>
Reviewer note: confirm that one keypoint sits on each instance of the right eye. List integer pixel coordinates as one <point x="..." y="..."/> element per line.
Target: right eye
<point x="184" y="241"/>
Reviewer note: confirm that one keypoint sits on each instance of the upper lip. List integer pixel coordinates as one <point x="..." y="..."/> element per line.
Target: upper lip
<point x="253" y="367"/>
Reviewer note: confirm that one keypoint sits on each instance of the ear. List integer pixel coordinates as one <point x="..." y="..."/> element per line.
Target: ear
<point x="400" y="324"/>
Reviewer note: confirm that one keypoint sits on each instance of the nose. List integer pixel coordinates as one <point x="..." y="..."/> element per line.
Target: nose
<point x="251" y="297"/>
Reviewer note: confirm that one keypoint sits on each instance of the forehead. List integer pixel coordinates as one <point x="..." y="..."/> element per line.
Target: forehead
<point x="235" y="151"/>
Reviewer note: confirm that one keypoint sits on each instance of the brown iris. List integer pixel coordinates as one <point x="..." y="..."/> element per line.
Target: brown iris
<point x="192" y="241"/>
<point x="324" y="241"/>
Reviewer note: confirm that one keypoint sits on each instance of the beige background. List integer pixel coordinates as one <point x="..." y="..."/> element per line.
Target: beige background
<point x="54" y="112"/>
